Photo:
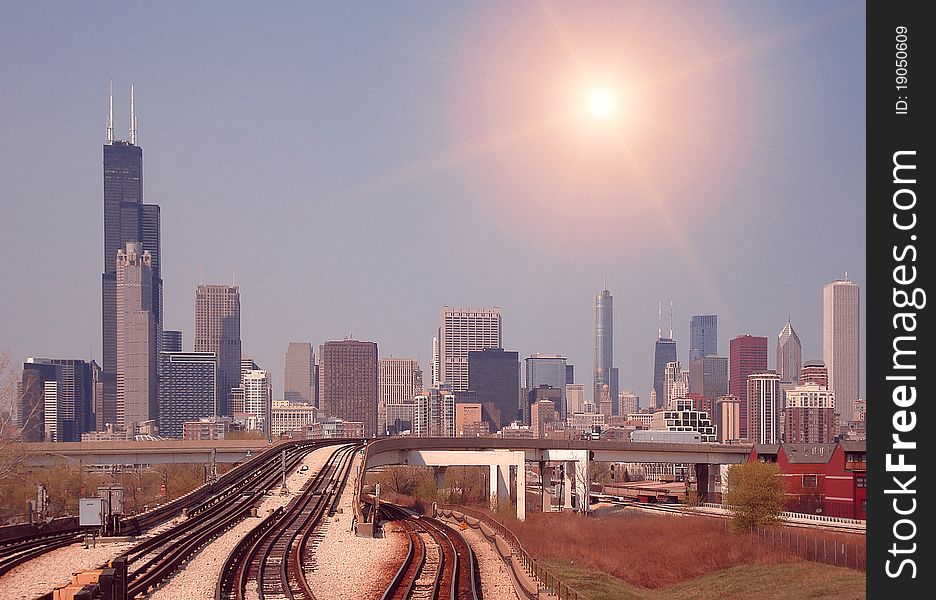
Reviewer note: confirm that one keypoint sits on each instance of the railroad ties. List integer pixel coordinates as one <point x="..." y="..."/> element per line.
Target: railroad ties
<point x="439" y="563"/>
<point x="277" y="557"/>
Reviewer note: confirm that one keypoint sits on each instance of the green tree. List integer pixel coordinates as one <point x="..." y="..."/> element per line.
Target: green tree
<point x="755" y="494"/>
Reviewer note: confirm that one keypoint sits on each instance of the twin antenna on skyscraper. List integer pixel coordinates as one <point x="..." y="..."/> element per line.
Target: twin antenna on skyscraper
<point x="110" y="117"/>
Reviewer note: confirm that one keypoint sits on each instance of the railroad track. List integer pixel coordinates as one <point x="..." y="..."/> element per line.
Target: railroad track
<point x="439" y="563"/>
<point x="154" y="560"/>
<point x="15" y="552"/>
<point x="276" y="554"/>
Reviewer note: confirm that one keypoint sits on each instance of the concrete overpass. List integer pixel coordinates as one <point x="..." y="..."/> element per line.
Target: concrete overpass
<point x="506" y="458"/>
<point x="140" y="453"/>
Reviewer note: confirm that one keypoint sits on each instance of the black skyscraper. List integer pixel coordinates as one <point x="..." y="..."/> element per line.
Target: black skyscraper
<point x="494" y="376"/>
<point x="126" y="219"/>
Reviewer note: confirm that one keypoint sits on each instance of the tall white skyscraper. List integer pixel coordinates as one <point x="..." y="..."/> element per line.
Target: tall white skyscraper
<point x="763" y="397"/>
<point x="137" y="332"/>
<point x="840" y="343"/>
<point x="464" y="330"/>
<point x="436" y="367"/>
<point x="258" y="397"/>
<point x="399" y="381"/>
<point x="675" y="384"/>
<point x="789" y="354"/>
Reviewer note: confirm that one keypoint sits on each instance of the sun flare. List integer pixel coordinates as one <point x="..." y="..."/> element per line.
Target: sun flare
<point x="601" y="102"/>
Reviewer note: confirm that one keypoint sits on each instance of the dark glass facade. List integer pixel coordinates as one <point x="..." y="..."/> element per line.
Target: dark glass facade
<point x="126" y="219"/>
<point x="187" y="386"/>
<point x="494" y="376"/>
<point x="708" y="376"/>
<point x="703" y="336"/>
<point x="75" y="408"/>
<point x="664" y="352"/>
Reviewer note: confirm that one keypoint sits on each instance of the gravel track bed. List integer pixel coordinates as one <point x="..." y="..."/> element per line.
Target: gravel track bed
<point x="42" y="574"/>
<point x="348" y="567"/>
<point x="495" y="578"/>
<point x="200" y="574"/>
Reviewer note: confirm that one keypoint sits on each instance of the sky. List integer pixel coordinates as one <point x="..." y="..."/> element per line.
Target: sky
<point x="355" y="167"/>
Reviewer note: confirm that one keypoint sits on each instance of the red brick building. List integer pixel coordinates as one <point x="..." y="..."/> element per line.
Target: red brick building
<point x="824" y="479"/>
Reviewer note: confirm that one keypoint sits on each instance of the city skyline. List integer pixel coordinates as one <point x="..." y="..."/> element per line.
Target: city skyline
<point x="315" y="297"/>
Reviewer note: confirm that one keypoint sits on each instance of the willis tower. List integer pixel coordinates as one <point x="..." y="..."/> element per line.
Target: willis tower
<point x="126" y="219"/>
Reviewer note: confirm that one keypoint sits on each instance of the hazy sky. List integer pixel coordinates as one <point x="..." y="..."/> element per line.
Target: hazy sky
<point x="359" y="166"/>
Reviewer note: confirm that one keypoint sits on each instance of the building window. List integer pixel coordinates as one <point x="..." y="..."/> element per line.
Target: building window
<point x="861" y="481"/>
<point x="810" y="481"/>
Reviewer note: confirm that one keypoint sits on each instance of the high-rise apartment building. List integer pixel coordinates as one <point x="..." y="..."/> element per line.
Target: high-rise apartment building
<point x="708" y="376"/>
<point x="605" y="372"/>
<point x="436" y="367"/>
<point x="434" y="414"/>
<point x="187" y="390"/>
<point x="703" y="336"/>
<point x="464" y="330"/>
<point x="542" y="414"/>
<point x="258" y="397"/>
<point x="809" y="415"/>
<point x="675" y="383"/>
<point x="727" y="419"/>
<point x="399" y="381"/>
<point x="840" y="343"/>
<point x="628" y="402"/>
<point x="494" y="376"/>
<point x="126" y="219"/>
<point x="789" y="354"/>
<point x="348" y="382"/>
<point x="763" y="399"/>
<point x="137" y="334"/>
<point x="747" y="354"/>
<point x="575" y="398"/>
<point x="299" y="376"/>
<point x="217" y="330"/>
<point x="814" y="371"/>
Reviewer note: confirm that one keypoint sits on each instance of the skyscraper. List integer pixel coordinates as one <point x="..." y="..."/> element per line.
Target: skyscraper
<point x="187" y="389"/>
<point x="703" y="336"/>
<point x="56" y="399"/>
<point x="575" y="398"/>
<point x="548" y="369"/>
<point x="789" y="354"/>
<point x="258" y="397"/>
<point x="217" y="329"/>
<point x="400" y="380"/>
<point x="747" y="354"/>
<point x="172" y="340"/>
<point x="605" y="372"/>
<point x="809" y="415"/>
<point x="126" y="219"/>
<point x="708" y="376"/>
<point x="348" y="380"/>
<point x="663" y="352"/>
<point x="299" y="376"/>
<point x="840" y="343"/>
<point x="137" y="334"/>
<point x="494" y="376"/>
<point x="814" y="371"/>
<point x="464" y="330"/>
<point x="763" y="399"/>
<point x="675" y="384"/>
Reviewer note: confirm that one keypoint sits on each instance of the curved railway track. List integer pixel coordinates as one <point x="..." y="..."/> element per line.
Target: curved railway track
<point x="275" y="555"/>
<point x="16" y="552"/>
<point x="154" y="560"/>
<point x="439" y="563"/>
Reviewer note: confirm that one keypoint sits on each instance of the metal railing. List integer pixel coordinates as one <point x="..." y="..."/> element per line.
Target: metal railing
<point x="801" y="516"/>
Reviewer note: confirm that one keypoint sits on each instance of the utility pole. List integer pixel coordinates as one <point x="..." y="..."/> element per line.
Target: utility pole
<point x="284" y="490"/>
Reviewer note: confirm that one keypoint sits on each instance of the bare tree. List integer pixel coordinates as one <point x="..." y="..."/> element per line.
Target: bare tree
<point x="13" y="451"/>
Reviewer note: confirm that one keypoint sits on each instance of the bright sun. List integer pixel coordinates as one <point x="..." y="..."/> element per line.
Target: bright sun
<point x="601" y="102"/>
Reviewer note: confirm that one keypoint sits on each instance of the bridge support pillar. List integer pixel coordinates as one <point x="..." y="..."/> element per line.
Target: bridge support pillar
<point x="567" y="469"/>
<point x="520" y="465"/>
<point x="439" y="473"/>
<point x="498" y="485"/>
